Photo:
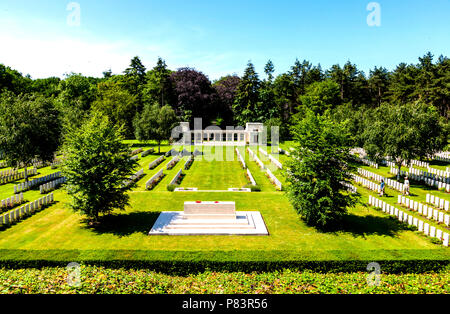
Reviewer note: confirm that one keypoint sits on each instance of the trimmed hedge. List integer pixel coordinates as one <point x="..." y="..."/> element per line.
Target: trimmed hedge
<point x="194" y="262"/>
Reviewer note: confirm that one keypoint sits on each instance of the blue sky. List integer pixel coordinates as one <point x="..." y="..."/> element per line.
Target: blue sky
<point x="217" y="37"/>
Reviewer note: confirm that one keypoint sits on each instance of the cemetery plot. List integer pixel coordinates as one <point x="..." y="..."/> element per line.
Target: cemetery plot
<point x="215" y="174"/>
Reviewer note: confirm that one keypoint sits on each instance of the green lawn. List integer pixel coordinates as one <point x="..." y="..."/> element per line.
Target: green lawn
<point x="57" y="233"/>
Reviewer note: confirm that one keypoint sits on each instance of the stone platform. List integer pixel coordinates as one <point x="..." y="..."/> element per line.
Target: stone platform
<point x="209" y="218"/>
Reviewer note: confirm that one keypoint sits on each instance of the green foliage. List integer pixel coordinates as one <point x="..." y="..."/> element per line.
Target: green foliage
<point x="29" y="128"/>
<point x="321" y="96"/>
<point x="97" y="163"/>
<point x="101" y="280"/>
<point x="155" y="123"/>
<point x="171" y="187"/>
<point x="404" y="132"/>
<point x="158" y="87"/>
<point x="319" y="165"/>
<point x="255" y="188"/>
<point x="13" y="81"/>
<point x="245" y="105"/>
<point x="114" y="101"/>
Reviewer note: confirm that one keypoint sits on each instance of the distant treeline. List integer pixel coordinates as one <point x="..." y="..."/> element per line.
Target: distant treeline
<point x="234" y="100"/>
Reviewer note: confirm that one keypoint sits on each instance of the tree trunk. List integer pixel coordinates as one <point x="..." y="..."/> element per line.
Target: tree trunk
<point x="159" y="147"/>
<point x="399" y="169"/>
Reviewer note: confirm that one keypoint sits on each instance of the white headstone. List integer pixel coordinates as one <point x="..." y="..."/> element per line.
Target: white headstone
<point x="426" y="228"/>
<point x="432" y="231"/>
<point x="445" y="238"/>
<point x="420" y="225"/>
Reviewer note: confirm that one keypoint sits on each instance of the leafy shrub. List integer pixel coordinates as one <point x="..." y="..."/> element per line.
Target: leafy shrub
<point x="254" y="188"/>
<point x="171" y="187"/>
<point x="436" y="241"/>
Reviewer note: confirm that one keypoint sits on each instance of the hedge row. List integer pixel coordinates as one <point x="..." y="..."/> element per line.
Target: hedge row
<point x="187" y="267"/>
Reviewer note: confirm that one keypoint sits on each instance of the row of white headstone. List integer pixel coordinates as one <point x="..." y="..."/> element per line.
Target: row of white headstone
<point x="434" y="174"/>
<point x="173" y="162"/>
<point x="274" y="179"/>
<point x="366" y="183"/>
<point x="133" y="178"/>
<point x="135" y="157"/>
<point x="424" y="210"/>
<point x="389" y="182"/>
<point x="419" y="163"/>
<point x="425" y="178"/>
<point x="241" y="160"/>
<point x="369" y="163"/>
<point x="256" y="159"/>
<point x="24" y="186"/>
<point x="439" y="172"/>
<point x="177" y="176"/>
<point x="250" y="177"/>
<point x="442" y="156"/>
<point x="410" y="220"/>
<point x="188" y="163"/>
<point x="26" y="210"/>
<point x="147" y="152"/>
<point x="136" y="151"/>
<point x="437" y="201"/>
<point x="262" y="151"/>
<point x="276" y="162"/>
<point x="12" y="201"/>
<point x="52" y="185"/>
<point x="15" y="175"/>
<point x="150" y="184"/>
<point x="156" y="162"/>
<point x="352" y="189"/>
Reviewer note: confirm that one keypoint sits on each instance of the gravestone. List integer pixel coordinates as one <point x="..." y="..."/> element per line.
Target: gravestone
<point x="439" y="234"/>
<point x="420" y="225"/>
<point x="432" y="231"/>
<point x="426" y="228"/>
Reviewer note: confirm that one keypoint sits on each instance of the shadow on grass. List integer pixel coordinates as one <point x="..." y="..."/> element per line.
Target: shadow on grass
<point x="370" y="225"/>
<point x="124" y="224"/>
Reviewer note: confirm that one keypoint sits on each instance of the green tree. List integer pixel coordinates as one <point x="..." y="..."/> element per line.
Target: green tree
<point x="118" y="104"/>
<point x="158" y="87"/>
<point x="319" y="166"/>
<point x="247" y="98"/>
<point x="96" y="165"/>
<point x="155" y="123"/>
<point x="403" y="132"/>
<point x="321" y="96"/>
<point x="30" y="128"/>
<point x="379" y="84"/>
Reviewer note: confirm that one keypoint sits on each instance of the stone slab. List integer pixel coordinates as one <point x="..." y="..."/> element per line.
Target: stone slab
<point x="256" y="225"/>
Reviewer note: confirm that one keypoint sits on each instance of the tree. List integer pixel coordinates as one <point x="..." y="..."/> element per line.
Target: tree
<point x="404" y="132"/>
<point x="96" y="165"/>
<point x="155" y="123"/>
<point x="379" y="84"/>
<point x="118" y="104"/>
<point x="320" y="164"/>
<point x="158" y="87"/>
<point x="30" y="128"/>
<point x="226" y="89"/>
<point x="285" y="98"/>
<point x="321" y="96"/>
<point x="13" y="81"/>
<point x="268" y="108"/>
<point x="246" y="102"/>
<point x="195" y="95"/>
